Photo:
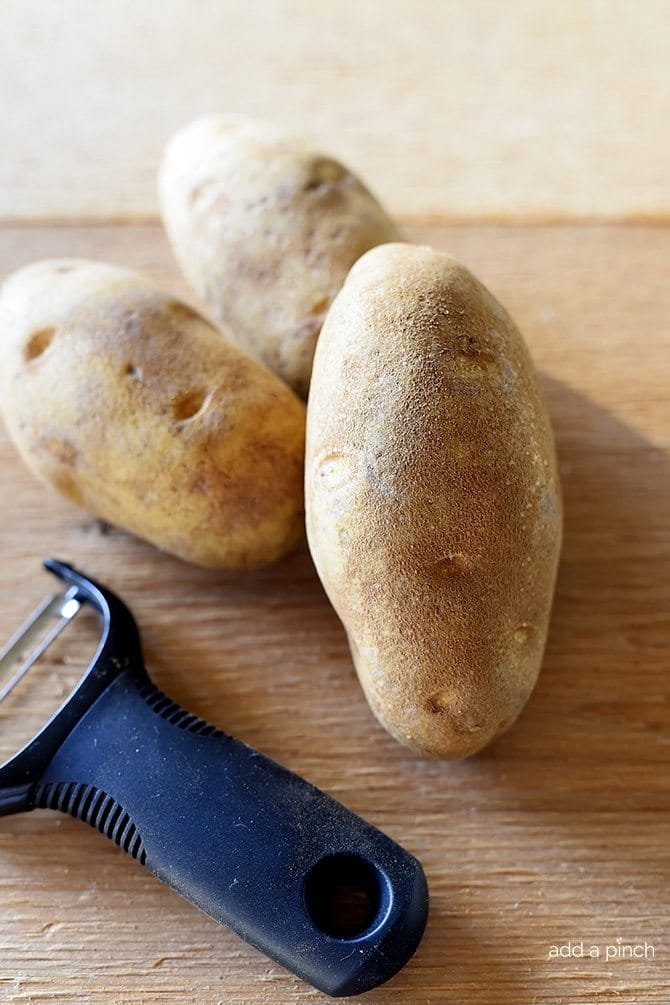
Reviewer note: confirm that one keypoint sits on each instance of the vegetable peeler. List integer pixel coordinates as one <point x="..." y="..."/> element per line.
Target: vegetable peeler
<point x="309" y="883"/>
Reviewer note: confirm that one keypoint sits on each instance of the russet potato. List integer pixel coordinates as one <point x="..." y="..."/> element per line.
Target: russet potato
<point x="432" y="497"/>
<point x="265" y="227"/>
<point x="137" y="409"/>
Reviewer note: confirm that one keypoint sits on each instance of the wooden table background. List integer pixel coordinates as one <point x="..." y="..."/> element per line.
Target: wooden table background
<point x="530" y="140"/>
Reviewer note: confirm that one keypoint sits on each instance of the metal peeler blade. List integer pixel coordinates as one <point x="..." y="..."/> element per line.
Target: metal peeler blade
<point x="62" y="607"/>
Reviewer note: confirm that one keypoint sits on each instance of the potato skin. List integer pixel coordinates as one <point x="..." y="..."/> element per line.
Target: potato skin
<point x="432" y="498"/>
<point x="265" y="228"/>
<point x="137" y="409"/>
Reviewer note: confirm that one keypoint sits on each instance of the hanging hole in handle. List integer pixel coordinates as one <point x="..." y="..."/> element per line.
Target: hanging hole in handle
<point x="346" y="896"/>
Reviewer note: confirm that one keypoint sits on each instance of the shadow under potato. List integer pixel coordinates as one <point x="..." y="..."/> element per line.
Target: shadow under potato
<point x="602" y="695"/>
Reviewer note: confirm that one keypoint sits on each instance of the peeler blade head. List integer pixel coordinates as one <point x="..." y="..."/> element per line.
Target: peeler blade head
<point x="118" y="649"/>
<point x="42" y="628"/>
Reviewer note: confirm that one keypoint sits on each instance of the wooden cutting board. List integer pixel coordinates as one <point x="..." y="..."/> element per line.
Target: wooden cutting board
<point x="558" y="834"/>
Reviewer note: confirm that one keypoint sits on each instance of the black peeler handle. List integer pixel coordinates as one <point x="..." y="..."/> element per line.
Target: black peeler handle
<point x="250" y="843"/>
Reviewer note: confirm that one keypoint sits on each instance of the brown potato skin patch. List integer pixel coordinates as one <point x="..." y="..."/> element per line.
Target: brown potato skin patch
<point x="144" y="414"/>
<point x="432" y="497"/>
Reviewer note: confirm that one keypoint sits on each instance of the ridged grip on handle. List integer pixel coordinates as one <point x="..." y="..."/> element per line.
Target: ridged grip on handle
<point x="245" y="840"/>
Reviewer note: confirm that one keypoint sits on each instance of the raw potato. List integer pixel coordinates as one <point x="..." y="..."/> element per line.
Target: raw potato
<point x="432" y="495"/>
<point x="137" y="409"/>
<point x="265" y="228"/>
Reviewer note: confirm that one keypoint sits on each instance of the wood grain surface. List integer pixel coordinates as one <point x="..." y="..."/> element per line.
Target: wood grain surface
<point x="559" y="832"/>
<point x="527" y="108"/>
